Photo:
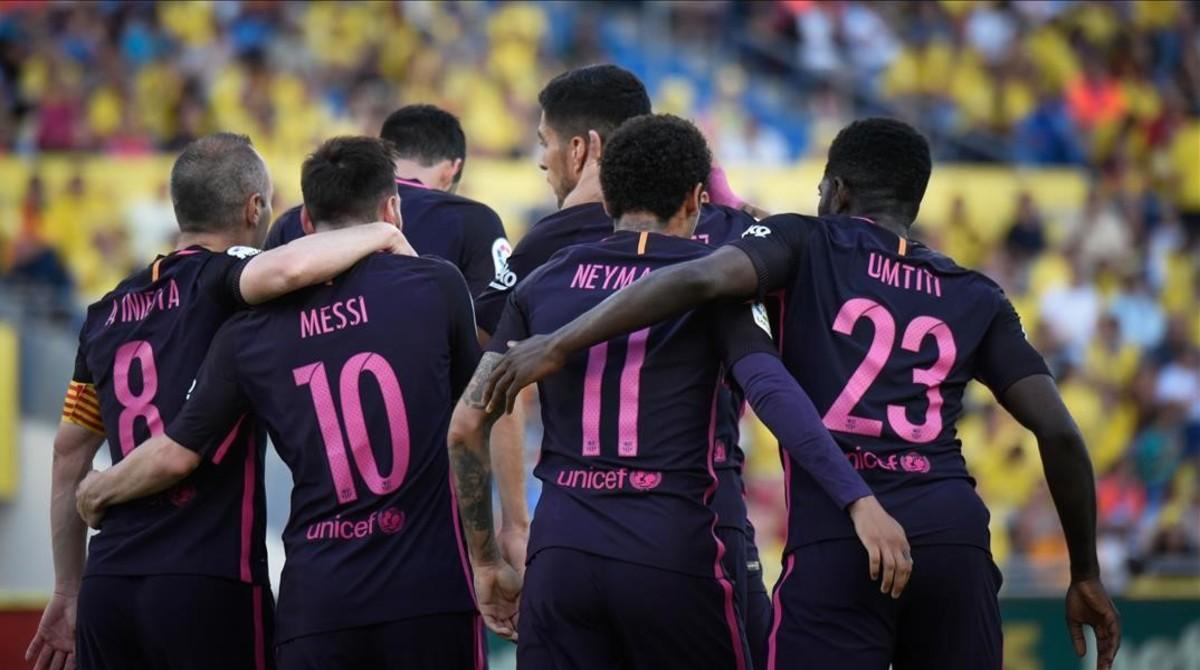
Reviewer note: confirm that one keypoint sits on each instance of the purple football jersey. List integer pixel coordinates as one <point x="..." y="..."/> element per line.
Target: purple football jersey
<point x="355" y="381"/>
<point x="884" y="335"/>
<point x="141" y="346"/>
<point x="630" y="425"/>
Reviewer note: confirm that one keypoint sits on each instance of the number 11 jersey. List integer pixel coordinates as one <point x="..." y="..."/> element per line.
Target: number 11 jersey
<point x="355" y="381"/>
<point x="884" y="335"/>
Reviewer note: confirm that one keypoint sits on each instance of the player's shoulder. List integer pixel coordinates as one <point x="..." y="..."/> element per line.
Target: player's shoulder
<point x="787" y="222"/>
<point x="285" y="229"/>
<point x="459" y="208"/>
<point x="723" y="217"/>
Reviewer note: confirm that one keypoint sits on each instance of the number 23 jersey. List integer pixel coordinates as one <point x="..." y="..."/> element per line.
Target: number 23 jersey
<point x="884" y="335"/>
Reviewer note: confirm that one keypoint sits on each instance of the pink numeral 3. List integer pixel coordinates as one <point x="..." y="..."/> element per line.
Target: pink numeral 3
<point x="839" y="417"/>
<point x="315" y="377"/>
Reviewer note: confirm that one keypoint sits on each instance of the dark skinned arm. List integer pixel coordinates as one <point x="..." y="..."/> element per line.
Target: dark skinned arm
<point x="725" y="273"/>
<point x="1035" y="402"/>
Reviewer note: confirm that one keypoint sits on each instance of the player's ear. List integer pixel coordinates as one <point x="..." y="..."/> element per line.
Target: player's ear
<point x="306" y="223"/>
<point x="390" y="211"/>
<point x="579" y="153"/>
<point x="841" y="195"/>
<point x="453" y="173"/>
<point x="256" y="208"/>
<point x="691" y="205"/>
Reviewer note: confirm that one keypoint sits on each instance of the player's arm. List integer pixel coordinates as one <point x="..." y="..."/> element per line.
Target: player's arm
<point x="497" y="584"/>
<point x="313" y="259"/>
<point x="80" y="434"/>
<point x="1018" y="376"/>
<point x="760" y="262"/>
<point x="790" y="415"/>
<point x="208" y="419"/>
<point x="485" y="247"/>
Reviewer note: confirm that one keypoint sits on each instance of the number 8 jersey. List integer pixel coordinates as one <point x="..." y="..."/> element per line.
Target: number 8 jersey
<point x="885" y="334"/>
<point x="139" y="350"/>
<point x="355" y="381"/>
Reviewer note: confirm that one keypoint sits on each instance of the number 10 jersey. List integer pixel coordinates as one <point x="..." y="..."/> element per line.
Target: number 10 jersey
<point x="355" y="381"/>
<point x="884" y="335"/>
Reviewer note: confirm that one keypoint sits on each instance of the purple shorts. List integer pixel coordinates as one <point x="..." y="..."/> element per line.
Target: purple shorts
<point x="450" y="641"/>
<point x="829" y="614"/>
<point x="742" y="566"/>
<point x="583" y="611"/>
<point x="173" y="622"/>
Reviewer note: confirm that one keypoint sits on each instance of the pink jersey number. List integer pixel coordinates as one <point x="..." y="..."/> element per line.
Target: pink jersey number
<point x="839" y="417"/>
<point x="627" y="412"/>
<point x="136" y="405"/>
<point x="315" y="377"/>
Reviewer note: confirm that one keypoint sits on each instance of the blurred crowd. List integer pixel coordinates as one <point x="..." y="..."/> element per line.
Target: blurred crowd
<point x="1107" y="288"/>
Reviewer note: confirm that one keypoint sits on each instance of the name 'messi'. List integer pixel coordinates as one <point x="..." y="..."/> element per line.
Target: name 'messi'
<point x="333" y="317"/>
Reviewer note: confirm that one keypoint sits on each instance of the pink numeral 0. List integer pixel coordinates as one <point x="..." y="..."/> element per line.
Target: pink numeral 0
<point x="839" y="417"/>
<point x="627" y="413"/>
<point x="136" y="405"/>
<point x="315" y="377"/>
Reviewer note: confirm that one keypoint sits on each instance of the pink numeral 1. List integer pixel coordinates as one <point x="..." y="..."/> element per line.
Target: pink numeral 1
<point x="627" y="415"/>
<point x="135" y="405"/>
<point x="315" y="377"/>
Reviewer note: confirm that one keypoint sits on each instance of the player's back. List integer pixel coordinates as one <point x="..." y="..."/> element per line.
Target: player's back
<point x="141" y="346"/>
<point x="629" y="424"/>
<point x="355" y="381"/>
<point x="467" y="233"/>
<point x="885" y="334"/>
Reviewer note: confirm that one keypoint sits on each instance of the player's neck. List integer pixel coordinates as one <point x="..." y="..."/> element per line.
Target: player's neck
<point x="888" y="222"/>
<point x="217" y="242"/>
<point x="639" y="222"/>
<point x="410" y="170"/>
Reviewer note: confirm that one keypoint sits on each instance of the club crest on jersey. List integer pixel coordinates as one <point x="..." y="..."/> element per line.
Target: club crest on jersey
<point x="645" y="481"/>
<point x="757" y="231"/>
<point x="182" y="494"/>
<point x="242" y="252"/>
<point x="391" y="520"/>
<point x="914" y="462"/>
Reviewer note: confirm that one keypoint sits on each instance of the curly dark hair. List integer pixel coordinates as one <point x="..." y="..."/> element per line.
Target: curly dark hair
<point x="345" y="180"/>
<point x="651" y="164"/>
<point x="882" y="157"/>
<point x="597" y="97"/>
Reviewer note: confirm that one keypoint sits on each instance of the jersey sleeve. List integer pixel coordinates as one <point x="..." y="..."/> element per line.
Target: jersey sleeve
<point x="215" y="404"/>
<point x="485" y="249"/>
<point x="513" y="326"/>
<point x="82" y="406"/>
<point x="464" y="341"/>
<point x="223" y="274"/>
<point x="777" y="245"/>
<point x="1005" y="355"/>
<point x="741" y="329"/>
<point x="530" y="253"/>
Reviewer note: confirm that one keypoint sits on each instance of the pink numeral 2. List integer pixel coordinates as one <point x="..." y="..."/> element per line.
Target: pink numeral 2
<point x="627" y="412"/>
<point x="839" y="417"/>
<point x="315" y="377"/>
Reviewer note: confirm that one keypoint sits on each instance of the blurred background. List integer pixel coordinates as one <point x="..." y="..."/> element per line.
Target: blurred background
<point x="1066" y="137"/>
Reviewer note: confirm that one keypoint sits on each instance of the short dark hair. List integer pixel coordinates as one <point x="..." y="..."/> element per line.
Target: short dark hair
<point x="882" y="156"/>
<point x="597" y="97"/>
<point x="651" y="164"/>
<point x="212" y="179"/>
<point x="426" y="134"/>
<point x="346" y="178"/>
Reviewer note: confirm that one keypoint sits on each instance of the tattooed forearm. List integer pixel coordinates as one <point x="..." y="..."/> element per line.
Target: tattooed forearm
<point x="473" y="484"/>
<point x="473" y="396"/>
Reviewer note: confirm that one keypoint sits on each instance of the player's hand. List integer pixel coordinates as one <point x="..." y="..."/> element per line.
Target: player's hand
<point x="587" y="189"/>
<point x="53" y="645"/>
<point x="87" y="502"/>
<point x="886" y="545"/>
<point x="513" y="543"/>
<point x="396" y="243"/>
<point x="1088" y="603"/>
<point x="525" y="363"/>
<point x="498" y="592"/>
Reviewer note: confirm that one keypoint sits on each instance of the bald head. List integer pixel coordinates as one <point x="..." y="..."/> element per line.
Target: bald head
<point x="220" y="184"/>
